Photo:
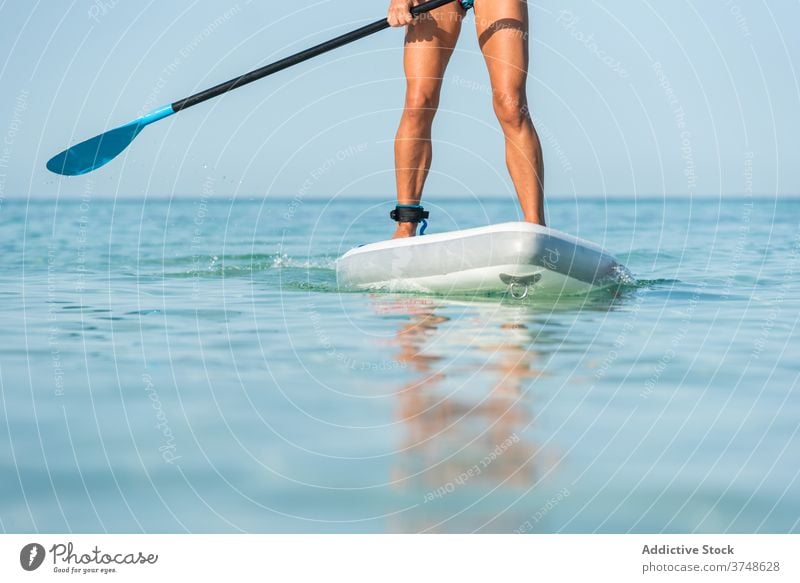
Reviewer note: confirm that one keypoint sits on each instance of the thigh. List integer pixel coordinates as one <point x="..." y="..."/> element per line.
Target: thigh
<point x="429" y="44"/>
<point x="503" y="37"/>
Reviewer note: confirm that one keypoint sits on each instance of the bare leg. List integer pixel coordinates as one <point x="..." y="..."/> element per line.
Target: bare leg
<point x="430" y="41"/>
<point x="503" y="36"/>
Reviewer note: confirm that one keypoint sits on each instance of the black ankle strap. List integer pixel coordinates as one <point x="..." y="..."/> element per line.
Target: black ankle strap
<point x="409" y="213"/>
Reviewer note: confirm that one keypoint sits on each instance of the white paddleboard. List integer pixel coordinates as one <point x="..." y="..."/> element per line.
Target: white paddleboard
<point x="518" y="258"/>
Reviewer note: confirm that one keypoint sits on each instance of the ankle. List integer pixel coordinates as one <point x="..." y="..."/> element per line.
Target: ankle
<point x="406" y="230"/>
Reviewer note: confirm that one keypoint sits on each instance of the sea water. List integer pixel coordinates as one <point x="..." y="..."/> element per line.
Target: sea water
<point x="190" y="365"/>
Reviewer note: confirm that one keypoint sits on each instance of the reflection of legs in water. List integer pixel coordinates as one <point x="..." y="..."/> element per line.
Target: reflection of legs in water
<point x="451" y="429"/>
<point x="411" y="339"/>
<point x="412" y="336"/>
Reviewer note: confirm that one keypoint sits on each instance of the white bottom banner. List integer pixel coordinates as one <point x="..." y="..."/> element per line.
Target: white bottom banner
<point x="400" y="558"/>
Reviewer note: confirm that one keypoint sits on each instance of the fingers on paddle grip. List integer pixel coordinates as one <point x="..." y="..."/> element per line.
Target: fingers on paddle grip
<point x="400" y="13"/>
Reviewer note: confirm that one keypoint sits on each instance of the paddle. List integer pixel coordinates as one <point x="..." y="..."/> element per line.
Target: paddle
<point x="98" y="151"/>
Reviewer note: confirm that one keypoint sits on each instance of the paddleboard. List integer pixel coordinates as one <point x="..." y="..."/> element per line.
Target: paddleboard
<point x="517" y="258"/>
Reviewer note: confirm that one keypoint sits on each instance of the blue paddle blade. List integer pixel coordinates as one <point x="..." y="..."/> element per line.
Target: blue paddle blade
<point x="96" y="152"/>
<point x="100" y="150"/>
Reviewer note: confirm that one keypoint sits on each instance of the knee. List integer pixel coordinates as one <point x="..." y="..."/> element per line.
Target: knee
<point x="420" y="107"/>
<point x="511" y="110"/>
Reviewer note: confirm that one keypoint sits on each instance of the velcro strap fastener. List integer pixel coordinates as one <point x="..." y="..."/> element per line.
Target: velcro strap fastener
<point x="409" y="213"/>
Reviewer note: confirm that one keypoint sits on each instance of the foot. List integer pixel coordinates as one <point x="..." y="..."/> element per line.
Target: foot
<point x="405" y="230"/>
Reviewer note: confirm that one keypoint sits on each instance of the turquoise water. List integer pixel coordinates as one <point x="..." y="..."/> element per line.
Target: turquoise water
<point x="191" y="366"/>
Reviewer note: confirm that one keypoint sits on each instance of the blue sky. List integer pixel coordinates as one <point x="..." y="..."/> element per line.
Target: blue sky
<point x="644" y="98"/>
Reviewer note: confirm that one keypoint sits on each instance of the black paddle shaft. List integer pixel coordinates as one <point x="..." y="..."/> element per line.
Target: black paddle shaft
<point x="300" y="57"/>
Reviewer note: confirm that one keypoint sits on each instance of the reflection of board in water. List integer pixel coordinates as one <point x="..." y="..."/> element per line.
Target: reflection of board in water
<point x="521" y="259"/>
